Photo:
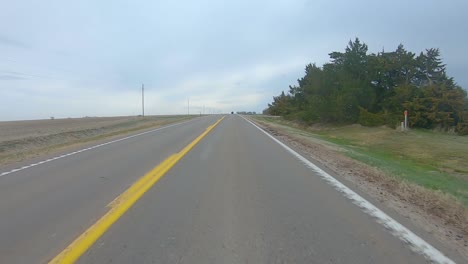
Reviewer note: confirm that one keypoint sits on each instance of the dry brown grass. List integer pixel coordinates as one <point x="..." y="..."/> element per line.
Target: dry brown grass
<point x="20" y="140"/>
<point x="436" y="212"/>
<point x="436" y="203"/>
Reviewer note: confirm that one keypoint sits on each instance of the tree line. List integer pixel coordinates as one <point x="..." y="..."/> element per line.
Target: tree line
<point x="375" y="89"/>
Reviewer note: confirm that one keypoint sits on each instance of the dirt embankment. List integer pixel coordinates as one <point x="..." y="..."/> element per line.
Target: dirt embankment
<point x="26" y="139"/>
<point x="439" y="214"/>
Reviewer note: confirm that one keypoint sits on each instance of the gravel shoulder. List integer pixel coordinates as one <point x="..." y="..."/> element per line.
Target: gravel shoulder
<point x="438" y="214"/>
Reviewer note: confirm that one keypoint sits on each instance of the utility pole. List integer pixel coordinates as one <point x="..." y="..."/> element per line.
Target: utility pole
<point x="188" y="106"/>
<point x="143" y="99"/>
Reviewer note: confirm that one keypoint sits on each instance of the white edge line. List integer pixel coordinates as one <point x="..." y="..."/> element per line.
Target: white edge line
<point x="416" y="243"/>
<point x="89" y="148"/>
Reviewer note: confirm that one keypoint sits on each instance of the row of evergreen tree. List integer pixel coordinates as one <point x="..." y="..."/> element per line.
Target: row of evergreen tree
<point x="375" y="89"/>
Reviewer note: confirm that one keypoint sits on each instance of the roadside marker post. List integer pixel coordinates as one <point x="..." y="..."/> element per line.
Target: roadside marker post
<point x="406" y="120"/>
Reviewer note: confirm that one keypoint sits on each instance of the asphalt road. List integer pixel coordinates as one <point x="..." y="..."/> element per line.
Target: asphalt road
<point x="236" y="197"/>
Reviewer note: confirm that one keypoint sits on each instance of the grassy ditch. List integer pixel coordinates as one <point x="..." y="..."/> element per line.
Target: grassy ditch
<point x="433" y="160"/>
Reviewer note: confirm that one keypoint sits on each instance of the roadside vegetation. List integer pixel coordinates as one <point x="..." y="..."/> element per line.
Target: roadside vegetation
<point x="434" y="160"/>
<point x="424" y="170"/>
<point x="375" y="89"/>
<point x="357" y="101"/>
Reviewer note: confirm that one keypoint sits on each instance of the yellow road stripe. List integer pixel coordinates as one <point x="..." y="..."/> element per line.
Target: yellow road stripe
<point x="122" y="203"/>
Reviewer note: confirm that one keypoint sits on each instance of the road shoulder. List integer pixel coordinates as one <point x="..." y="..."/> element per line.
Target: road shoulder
<point x="374" y="184"/>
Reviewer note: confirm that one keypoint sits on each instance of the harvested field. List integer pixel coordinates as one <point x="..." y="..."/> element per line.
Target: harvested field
<point x="24" y="139"/>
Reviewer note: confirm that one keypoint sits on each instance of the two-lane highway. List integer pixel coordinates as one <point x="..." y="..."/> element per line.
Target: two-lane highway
<point x="236" y="197"/>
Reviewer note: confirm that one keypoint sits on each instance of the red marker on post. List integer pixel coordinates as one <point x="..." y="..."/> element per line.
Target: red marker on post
<point x="406" y="119"/>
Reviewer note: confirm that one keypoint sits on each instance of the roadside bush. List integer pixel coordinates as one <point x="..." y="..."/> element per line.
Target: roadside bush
<point x="462" y="126"/>
<point x="462" y="129"/>
<point x="392" y="120"/>
<point x="367" y="118"/>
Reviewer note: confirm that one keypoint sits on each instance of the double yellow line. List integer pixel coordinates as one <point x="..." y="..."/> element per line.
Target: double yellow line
<point x="122" y="203"/>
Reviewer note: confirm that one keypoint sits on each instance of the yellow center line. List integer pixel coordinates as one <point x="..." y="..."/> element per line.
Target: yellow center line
<point x="122" y="203"/>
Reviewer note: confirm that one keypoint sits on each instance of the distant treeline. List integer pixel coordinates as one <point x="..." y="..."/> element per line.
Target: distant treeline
<point x="375" y="89"/>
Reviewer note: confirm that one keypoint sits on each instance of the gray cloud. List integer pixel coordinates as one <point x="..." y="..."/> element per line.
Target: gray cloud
<point x="10" y="77"/>
<point x="226" y="55"/>
<point x="11" y="42"/>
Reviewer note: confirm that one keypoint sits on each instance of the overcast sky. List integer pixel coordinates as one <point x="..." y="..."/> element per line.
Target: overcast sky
<point x="89" y="58"/>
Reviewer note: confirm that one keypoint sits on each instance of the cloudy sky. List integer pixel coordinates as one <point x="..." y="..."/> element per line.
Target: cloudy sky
<point x="89" y="58"/>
